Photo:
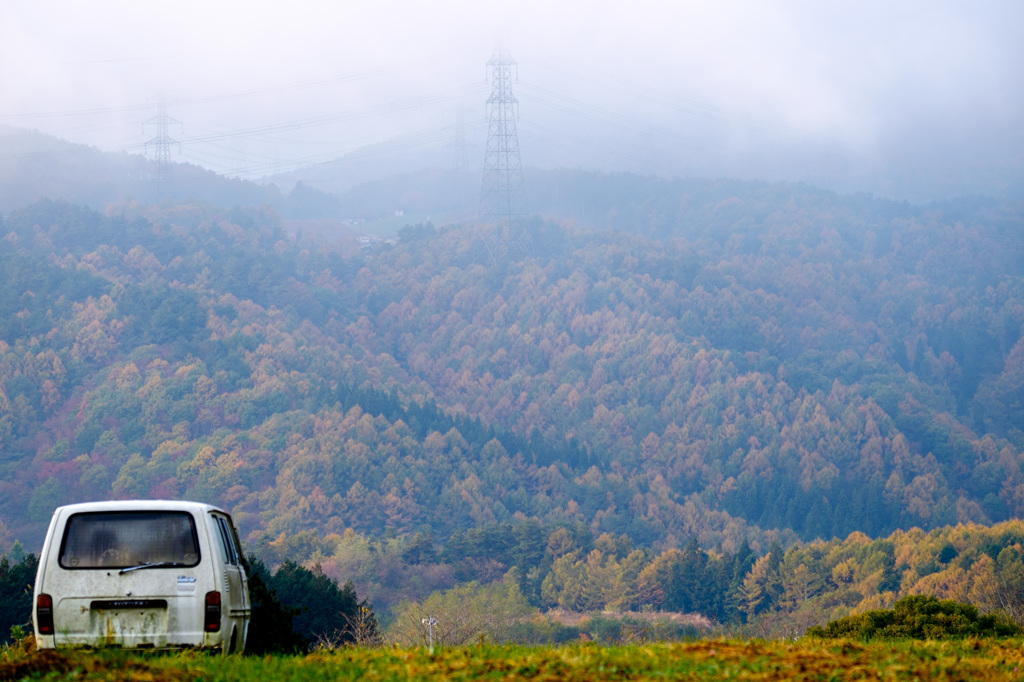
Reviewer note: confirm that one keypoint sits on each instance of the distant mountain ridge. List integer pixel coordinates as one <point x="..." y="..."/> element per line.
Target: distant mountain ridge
<point x="35" y="166"/>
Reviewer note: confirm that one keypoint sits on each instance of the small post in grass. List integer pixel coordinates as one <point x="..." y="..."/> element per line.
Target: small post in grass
<point x="430" y="623"/>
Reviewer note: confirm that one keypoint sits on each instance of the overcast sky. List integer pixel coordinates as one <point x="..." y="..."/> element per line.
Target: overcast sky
<point x="913" y="100"/>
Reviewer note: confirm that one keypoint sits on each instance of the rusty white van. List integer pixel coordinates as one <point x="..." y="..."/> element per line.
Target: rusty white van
<point x="141" y="574"/>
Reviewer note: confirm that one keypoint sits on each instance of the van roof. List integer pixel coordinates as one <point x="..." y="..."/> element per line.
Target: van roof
<point x="138" y="505"/>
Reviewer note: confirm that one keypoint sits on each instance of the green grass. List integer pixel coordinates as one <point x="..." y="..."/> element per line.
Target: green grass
<point x="971" y="659"/>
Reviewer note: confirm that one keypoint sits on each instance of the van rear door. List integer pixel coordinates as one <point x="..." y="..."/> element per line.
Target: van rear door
<point x="129" y="578"/>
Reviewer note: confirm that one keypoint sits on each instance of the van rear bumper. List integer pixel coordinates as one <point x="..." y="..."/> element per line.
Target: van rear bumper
<point x="153" y="622"/>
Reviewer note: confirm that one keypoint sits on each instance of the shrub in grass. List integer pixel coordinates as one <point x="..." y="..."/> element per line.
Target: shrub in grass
<point x="919" y="617"/>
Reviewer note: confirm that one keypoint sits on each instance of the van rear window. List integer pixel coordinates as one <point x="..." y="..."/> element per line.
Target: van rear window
<point x="124" y="539"/>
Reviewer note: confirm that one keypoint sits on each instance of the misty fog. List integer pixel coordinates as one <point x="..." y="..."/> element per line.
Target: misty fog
<point x="916" y="101"/>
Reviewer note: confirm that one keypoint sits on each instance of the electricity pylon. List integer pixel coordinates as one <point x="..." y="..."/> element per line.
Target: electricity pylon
<point x="162" y="148"/>
<point x="502" y="196"/>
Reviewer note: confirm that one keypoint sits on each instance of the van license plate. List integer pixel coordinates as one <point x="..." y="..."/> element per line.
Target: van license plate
<point x="112" y="604"/>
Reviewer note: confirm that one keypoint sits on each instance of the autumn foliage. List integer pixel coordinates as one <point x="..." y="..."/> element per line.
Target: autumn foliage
<point x="774" y="367"/>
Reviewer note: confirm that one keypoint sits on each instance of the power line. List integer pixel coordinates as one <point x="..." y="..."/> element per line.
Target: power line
<point x="502" y="183"/>
<point x="375" y="110"/>
<point x="460" y="160"/>
<point x="595" y="113"/>
<point x="206" y="99"/>
<point x="380" y="148"/>
<point x="261" y="132"/>
<point x="679" y="103"/>
<point x="568" y="140"/>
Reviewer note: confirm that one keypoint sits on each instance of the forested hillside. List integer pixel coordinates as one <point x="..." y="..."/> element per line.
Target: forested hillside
<point x="34" y="166"/>
<point x="735" y="363"/>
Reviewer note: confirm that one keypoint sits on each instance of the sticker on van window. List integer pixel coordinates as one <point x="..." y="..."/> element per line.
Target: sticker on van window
<point x="186" y="583"/>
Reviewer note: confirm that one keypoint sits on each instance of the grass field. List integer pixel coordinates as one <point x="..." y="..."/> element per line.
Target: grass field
<point x="706" y="660"/>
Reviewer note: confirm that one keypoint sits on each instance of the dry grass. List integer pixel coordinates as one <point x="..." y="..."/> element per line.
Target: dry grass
<point x="983" y="660"/>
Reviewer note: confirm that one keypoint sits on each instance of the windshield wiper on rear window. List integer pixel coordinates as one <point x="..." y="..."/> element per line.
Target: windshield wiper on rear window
<point x="158" y="564"/>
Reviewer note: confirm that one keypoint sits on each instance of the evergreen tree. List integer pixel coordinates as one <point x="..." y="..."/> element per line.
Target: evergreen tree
<point x="270" y="626"/>
<point x="321" y="607"/>
<point x="16" y="580"/>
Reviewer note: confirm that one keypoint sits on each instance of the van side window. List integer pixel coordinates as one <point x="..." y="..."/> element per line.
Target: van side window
<point x="129" y="538"/>
<point x="227" y="540"/>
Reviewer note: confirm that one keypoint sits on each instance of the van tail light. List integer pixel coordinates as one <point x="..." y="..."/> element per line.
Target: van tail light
<point x="212" y="621"/>
<point x="44" y="614"/>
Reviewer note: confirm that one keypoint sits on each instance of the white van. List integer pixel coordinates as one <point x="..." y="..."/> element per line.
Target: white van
<point x="141" y="574"/>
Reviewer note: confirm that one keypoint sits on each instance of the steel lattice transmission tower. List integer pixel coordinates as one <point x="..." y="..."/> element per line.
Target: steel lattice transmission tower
<point x="502" y="196"/>
<point x="162" y="148"/>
